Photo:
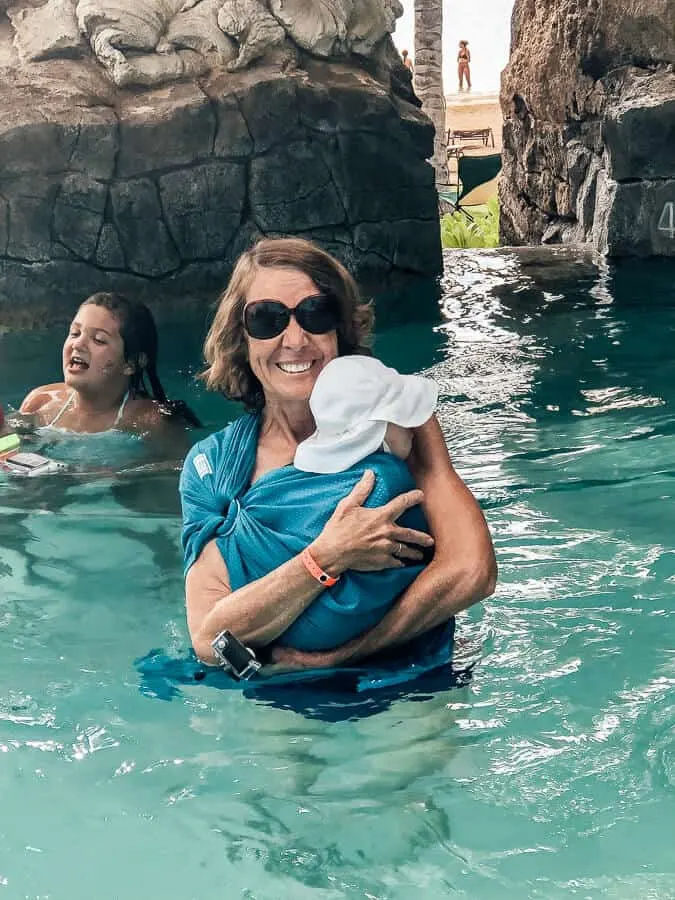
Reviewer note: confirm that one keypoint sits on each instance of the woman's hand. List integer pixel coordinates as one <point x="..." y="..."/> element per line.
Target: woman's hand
<point x="368" y="540"/>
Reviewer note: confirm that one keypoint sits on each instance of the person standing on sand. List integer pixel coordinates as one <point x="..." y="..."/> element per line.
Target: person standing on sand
<point x="464" y="65"/>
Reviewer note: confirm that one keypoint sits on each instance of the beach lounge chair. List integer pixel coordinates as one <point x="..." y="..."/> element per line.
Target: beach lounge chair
<point x="473" y="171"/>
<point x="457" y="137"/>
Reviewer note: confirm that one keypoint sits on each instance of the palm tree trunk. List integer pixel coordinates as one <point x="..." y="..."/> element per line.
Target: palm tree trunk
<point x="429" y="76"/>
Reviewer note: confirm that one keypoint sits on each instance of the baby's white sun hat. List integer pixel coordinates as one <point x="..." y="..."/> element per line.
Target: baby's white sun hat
<point x="353" y="400"/>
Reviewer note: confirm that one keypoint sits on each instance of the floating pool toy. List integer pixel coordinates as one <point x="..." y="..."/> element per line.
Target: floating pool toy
<point x="9" y="442"/>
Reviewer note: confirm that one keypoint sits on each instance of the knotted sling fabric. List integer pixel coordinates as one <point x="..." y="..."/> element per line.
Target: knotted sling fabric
<point x="259" y="527"/>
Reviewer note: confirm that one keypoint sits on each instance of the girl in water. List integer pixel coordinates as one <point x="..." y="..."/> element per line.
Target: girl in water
<point x="110" y="379"/>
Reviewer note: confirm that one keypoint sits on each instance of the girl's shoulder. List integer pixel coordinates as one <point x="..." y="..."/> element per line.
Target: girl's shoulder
<point x="141" y="414"/>
<point x="147" y="417"/>
<point x="43" y="395"/>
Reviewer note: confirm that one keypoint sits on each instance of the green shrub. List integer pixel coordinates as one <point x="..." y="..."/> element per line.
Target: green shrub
<point x="457" y="230"/>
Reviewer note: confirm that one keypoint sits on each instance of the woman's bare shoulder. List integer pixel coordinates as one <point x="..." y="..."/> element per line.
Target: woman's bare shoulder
<point x="429" y="450"/>
<point x="42" y="396"/>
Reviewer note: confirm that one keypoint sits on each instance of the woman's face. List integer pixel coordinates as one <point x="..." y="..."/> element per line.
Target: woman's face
<point x="93" y="353"/>
<point x="288" y="365"/>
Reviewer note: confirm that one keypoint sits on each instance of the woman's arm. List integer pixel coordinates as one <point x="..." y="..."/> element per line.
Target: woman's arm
<point x="462" y="572"/>
<point x="258" y="613"/>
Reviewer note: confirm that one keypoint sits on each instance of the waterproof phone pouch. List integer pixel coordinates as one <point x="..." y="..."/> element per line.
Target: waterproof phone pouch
<point x="32" y="464"/>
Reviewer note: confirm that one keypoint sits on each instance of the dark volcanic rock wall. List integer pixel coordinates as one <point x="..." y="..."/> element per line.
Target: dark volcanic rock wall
<point x="589" y="134"/>
<point x="157" y="192"/>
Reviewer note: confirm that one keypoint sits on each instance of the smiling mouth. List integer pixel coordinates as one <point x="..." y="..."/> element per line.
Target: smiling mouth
<point x="296" y="368"/>
<point x="77" y="364"/>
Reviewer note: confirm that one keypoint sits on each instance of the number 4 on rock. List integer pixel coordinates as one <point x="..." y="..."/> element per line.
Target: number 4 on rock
<point x="667" y="220"/>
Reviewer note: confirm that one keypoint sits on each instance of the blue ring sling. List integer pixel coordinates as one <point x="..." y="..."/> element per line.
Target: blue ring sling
<point x="259" y="527"/>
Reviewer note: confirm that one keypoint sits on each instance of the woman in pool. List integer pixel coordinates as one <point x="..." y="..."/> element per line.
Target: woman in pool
<point x="364" y="413"/>
<point x="289" y="309"/>
<point x="110" y="374"/>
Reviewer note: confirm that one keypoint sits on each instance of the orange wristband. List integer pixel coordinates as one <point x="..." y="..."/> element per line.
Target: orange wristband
<point x="316" y="571"/>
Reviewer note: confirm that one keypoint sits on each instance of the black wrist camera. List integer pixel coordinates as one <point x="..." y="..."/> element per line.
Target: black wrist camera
<point x="238" y="660"/>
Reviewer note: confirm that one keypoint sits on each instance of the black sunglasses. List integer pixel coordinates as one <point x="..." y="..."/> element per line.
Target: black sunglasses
<point x="266" y="319"/>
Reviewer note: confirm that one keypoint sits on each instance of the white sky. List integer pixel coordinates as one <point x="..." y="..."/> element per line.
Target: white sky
<point x="485" y="24"/>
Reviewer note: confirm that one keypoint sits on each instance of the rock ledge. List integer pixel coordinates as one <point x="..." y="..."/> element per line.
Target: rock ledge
<point x="156" y="192"/>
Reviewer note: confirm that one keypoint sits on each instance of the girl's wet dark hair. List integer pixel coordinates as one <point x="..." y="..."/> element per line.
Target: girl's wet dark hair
<point x="139" y="337"/>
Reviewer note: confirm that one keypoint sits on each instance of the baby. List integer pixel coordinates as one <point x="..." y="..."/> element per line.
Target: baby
<point x="361" y="408"/>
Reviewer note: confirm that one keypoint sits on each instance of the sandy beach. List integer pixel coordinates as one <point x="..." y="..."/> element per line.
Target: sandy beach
<point x="467" y="111"/>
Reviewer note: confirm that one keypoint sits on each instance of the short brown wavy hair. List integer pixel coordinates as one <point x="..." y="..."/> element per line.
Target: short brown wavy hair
<point x="225" y="348"/>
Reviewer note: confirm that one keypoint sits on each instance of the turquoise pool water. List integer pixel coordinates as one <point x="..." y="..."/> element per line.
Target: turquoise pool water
<point x="551" y="775"/>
